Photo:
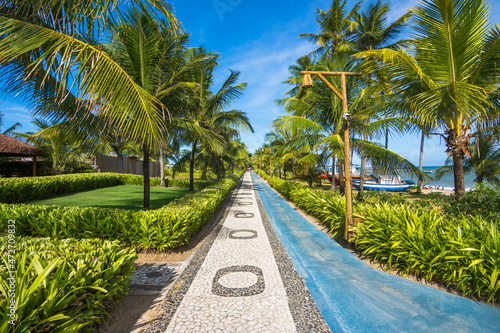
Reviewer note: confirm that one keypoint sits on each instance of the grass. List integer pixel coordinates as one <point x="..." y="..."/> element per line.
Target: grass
<point x="119" y="197"/>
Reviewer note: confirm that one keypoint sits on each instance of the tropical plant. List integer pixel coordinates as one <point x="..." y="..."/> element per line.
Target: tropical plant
<point x="62" y="285"/>
<point x="484" y="161"/>
<point x="206" y="111"/>
<point x="336" y="29"/>
<point x="454" y="56"/>
<point x="166" y="228"/>
<point x="58" y="143"/>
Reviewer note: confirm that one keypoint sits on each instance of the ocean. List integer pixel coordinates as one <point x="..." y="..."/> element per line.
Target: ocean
<point x="447" y="182"/>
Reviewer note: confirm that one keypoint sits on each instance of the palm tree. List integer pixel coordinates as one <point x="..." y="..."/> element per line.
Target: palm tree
<point x="336" y="29"/>
<point x="484" y="161"/>
<point x="454" y="56"/>
<point x="49" y="48"/>
<point x="52" y="46"/>
<point x="57" y="142"/>
<point x="206" y="122"/>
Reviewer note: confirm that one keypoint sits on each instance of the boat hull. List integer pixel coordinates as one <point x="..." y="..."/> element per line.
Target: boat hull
<point x="383" y="187"/>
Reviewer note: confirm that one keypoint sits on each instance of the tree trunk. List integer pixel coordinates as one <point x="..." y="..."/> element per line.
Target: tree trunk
<point x="421" y="162"/>
<point x="363" y="170"/>
<point x="387" y="137"/>
<point x="162" y="169"/>
<point x="334" y="186"/>
<point x="341" y="178"/>
<point x="458" y="170"/>
<point x="293" y="169"/>
<point x="191" y="167"/>
<point x="145" y="169"/>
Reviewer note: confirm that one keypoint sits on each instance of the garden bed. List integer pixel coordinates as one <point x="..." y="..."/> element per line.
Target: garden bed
<point x="62" y="285"/>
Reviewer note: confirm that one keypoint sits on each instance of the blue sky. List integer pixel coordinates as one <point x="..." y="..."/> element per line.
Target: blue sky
<point x="260" y="39"/>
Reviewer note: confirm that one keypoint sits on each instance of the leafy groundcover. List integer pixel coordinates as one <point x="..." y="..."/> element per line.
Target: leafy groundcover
<point x="62" y="285"/>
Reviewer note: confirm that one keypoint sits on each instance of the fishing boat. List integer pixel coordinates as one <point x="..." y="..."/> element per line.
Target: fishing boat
<point x="385" y="183"/>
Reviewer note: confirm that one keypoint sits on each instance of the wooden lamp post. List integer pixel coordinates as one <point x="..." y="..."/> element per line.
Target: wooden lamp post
<point x="307" y="83"/>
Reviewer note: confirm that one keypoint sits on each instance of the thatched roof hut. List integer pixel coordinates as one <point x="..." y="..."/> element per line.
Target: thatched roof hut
<point x="10" y="147"/>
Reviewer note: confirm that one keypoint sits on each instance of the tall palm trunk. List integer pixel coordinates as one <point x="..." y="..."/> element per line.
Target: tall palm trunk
<point x="341" y="178"/>
<point x="334" y="186"/>
<point x="145" y="169"/>
<point x="162" y="169"/>
<point x="421" y="162"/>
<point x="458" y="145"/>
<point x="363" y="170"/>
<point x="458" y="170"/>
<point x="386" y="136"/>
<point x="191" y="167"/>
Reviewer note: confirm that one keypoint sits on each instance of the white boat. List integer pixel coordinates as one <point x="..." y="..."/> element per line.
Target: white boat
<point x="384" y="183"/>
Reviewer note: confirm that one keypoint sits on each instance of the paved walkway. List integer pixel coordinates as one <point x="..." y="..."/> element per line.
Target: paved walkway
<point x="353" y="297"/>
<point x="241" y="280"/>
<point x="264" y="268"/>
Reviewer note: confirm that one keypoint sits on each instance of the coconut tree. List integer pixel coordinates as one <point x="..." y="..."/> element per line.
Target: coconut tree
<point x="207" y="121"/>
<point x="336" y="27"/>
<point x="49" y="49"/>
<point x="455" y="56"/>
<point x="484" y="161"/>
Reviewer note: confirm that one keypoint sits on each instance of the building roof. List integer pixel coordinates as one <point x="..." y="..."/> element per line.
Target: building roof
<point x="14" y="147"/>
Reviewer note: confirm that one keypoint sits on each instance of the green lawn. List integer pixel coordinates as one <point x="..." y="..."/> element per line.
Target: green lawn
<point x="121" y="197"/>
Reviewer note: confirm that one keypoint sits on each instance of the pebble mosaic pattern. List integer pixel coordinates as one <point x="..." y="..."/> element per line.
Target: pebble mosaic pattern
<point x="262" y="307"/>
<point x="241" y="215"/>
<point x="228" y="283"/>
<point x="153" y="276"/>
<point x="237" y="234"/>
<point x="237" y="267"/>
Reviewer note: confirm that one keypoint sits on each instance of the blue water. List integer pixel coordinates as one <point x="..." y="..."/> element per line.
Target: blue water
<point x="447" y="182"/>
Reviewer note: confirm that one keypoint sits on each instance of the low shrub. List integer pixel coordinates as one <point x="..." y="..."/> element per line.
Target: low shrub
<point x="62" y="285"/>
<point x="16" y="190"/>
<point x="462" y="253"/>
<point x="165" y="228"/>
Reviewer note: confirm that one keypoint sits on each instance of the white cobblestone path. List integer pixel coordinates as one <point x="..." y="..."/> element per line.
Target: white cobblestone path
<point x="238" y="287"/>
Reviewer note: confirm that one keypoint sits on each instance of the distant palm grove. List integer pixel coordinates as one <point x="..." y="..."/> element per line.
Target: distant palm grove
<point x="120" y="77"/>
<point x="434" y="71"/>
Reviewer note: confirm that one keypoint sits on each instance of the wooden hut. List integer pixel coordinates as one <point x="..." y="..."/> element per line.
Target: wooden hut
<point x="10" y="147"/>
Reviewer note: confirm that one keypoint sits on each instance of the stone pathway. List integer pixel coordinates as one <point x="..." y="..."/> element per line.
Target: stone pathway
<point x="241" y="280"/>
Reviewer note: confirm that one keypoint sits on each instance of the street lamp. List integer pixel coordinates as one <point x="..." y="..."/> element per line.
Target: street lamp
<point x="307" y="83"/>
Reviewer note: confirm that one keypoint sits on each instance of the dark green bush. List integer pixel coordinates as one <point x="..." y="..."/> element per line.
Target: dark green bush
<point x="63" y="285"/>
<point x="168" y="227"/>
<point x="16" y="190"/>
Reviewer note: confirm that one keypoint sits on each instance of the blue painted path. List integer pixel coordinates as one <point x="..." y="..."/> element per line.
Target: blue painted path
<point x="353" y="297"/>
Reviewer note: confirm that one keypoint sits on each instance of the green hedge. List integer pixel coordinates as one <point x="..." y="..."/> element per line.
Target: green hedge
<point x="463" y="253"/>
<point x="165" y="228"/>
<point x="16" y="190"/>
<point x="63" y="285"/>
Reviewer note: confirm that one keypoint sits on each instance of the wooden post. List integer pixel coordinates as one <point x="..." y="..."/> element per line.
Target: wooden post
<point x="347" y="158"/>
<point x="34" y="166"/>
